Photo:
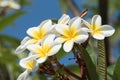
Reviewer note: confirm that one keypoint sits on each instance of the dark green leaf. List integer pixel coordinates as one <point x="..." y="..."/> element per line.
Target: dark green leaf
<point x="10" y="40"/>
<point x="89" y="64"/>
<point x="116" y="74"/>
<point x="61" y="54"/>
<point x="92" y="54"/>
<point x="10" y="19"/>
<point x="74" y="68"/>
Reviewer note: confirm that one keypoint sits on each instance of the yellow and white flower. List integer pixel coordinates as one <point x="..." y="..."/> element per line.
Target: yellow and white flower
<point x="29" y="64"/>
<point x="71" y="33"/>
<point x="37" y="34"/>
<point x="47" y="48"/>
<point x="99" y="31"/>
<point x="10" y="4"/>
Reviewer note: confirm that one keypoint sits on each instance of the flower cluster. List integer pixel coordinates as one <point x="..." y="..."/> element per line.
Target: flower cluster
<point x="47" y="39"/>
<point x="10" y="4"/>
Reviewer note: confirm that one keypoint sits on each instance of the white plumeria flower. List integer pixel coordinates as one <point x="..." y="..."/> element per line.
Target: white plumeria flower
<point x="47" y="48"/>
<point x="71" y="33"/>
<point x="30" y="65"/>
<point x="9" y="3"/>
<point x="37" y="34"/>
<point x="64" y="19"/>
<point x="99" y="31"/>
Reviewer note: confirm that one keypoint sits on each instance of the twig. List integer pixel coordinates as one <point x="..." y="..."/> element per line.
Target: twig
<point x="83" y="13"/>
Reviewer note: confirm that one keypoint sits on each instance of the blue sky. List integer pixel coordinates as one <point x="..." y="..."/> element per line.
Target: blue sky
<point x="37" y="12"/>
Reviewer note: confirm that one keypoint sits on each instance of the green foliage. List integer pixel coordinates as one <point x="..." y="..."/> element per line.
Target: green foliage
<point x="61" y="54"/>
<point x="116" y="74"/>
<point x="10" y="19"/>
<point x="92" y="54"/>
<point x="74" y="68"/>
<point x="89" y="64"/>
<point x="13" y="42"/>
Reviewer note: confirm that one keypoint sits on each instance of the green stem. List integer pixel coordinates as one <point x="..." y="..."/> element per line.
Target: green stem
<point x="101" y="62"/>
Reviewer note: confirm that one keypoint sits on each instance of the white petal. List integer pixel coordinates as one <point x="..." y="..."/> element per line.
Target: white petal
<point x="81" y="38"/>
<point x="46" y="25"/>
<point x="49" y="39"/>
<point x="72" y="20"/>
<point x="24" y="75"/>
<point x="60" y="28"/>
<point x="76" y="23"/>
<point x="59" y="40"/>
<point x="68" y="45"/>
<point x="25" y="40"/>
<point x="64" y="19"/>
<point x="4" y="3"/>
<point x="33" y="31"/>
<point x="41" y="60"/>
<point x="107" y="30"/>
<point x="19" y="49"/>
<point x="14" y="5"/>
<point x="96" y="20"/>
<point x="99" y="36"/>
<point x="54" y="50"/>
<point x="85" y="29"/>
<point x="24" y="45"/>
<point x="33" y="47"/>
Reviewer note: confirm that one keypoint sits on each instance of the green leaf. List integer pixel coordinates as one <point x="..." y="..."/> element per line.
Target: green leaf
<point x="74" y="69"/>
<point x="89" y="64"/>
<point x="110" y="70"/>
<point x="10" y="40"/>
<point x="101" y="61"/>
<point x="61" y="54"/>
<point x="116" y="74"/>
<point x="63" y="5"/>
<point x="92" y="54"/>
<point x="10" y="19"/>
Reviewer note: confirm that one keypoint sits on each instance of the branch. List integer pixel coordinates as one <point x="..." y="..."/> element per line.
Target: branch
<point x="65" y="69"/>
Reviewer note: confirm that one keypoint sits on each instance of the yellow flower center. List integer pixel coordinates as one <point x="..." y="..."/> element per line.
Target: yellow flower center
<point x="70" y="33"/>
<point x="44" y="50"/>
<point x="39" y="34"/>
<point x="30" y="64"/>
<point x="95" y="29"/>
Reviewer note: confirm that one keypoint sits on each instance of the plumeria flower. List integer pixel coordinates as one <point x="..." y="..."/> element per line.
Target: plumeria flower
<point x="99" y="31"/>
<point x="71" y="33"/>
<point x="47" y="48"/>
<point x="37" y="34"/>
<point x="30" y="65"/>
<point x="9" y="3"/>
<point x="64" y="19"/>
